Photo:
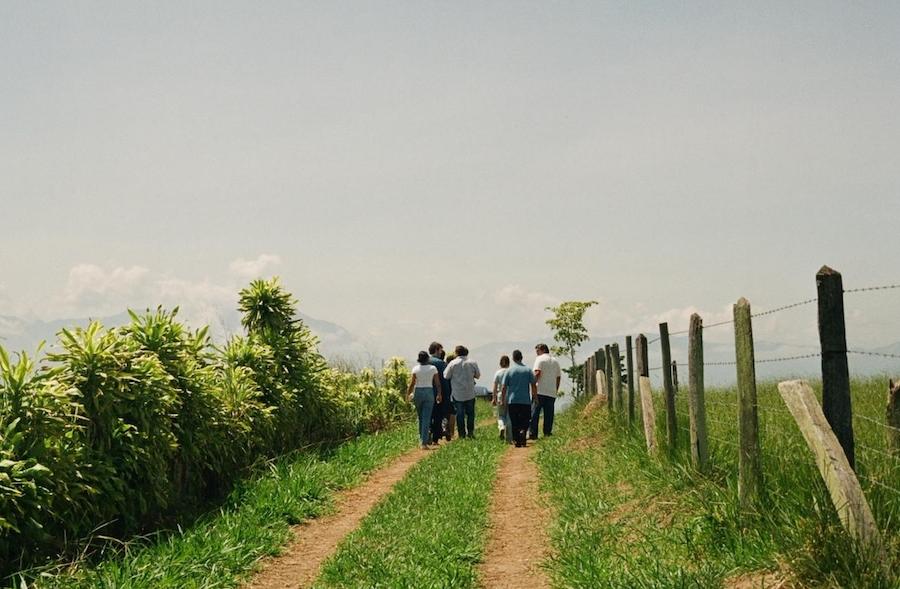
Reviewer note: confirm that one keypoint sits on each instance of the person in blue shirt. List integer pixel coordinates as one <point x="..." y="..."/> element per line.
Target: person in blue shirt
<point x="518" y="392"/>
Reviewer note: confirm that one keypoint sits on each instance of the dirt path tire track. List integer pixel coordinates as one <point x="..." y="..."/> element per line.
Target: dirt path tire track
<point x="517" y="542"/>
<point x="316" y="540"/>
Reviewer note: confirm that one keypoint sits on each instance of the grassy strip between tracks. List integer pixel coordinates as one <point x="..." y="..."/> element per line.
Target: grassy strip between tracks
<point x="625" y="519"/>
<point x="431" y="530"/>
<point x="221" y="548"/>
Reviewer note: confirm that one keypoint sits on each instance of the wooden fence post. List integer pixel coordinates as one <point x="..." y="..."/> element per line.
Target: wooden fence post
<point x="608" y="373"/>
<point x="643" y="363"/>
<point x="629" y="366"/>
<point x="616" y="369"/>
<point x="598" y="365"/>
<point x="697" y="402"/>
<point x="668" y="388"/>
<point x="843" y="486"/>
<point x="893" y="419"/>
<point x="588" y="371"/>
<point x="749" y="470"/>
<point x="835" y="372"/>
<point x="648" y="413"/>
<point x="675" y="375"/>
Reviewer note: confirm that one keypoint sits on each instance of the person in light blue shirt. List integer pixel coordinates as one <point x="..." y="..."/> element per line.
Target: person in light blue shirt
<point x="519" y="391"/>
<point x="462" y="374"/>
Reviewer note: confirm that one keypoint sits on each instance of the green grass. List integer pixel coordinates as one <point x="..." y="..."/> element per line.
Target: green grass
<point x="220" y="549"/>
<point x="628" y="520"/>
<point x="431" y="530"/>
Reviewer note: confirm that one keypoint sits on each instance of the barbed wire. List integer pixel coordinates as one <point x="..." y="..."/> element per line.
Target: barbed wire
<point x="871" y="288"/>
<point x="784" y="308"/>
<point x="877" y="451"/>
<point x="880" y="484"/>
<point x="876" y="422"/>
<point x="876" y="354"/>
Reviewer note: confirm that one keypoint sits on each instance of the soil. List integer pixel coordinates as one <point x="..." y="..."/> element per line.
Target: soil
<point x="518" y="530"/>
<point x="315" y="541"/>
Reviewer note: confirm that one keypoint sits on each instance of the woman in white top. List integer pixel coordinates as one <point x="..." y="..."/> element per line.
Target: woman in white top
<point x="422" y="385"/>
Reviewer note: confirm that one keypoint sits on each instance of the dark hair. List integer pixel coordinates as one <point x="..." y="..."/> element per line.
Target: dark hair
<point x="434" y="348"/>
<point x="504" y="361"/>
<point x="517" y="355"/>
<point x="542" y="348"/>
<point x="462" y="351"/>
<point x="423" y="357"/>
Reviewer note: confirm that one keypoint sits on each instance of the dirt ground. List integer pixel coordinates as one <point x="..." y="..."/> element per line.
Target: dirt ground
<point x="518" y="541"/>
<point x="316" y="540"/>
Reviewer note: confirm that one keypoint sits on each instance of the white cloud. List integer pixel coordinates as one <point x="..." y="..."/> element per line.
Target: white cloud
<point x="517" y="295"/>
<point x="250" y="269"/>
<point x="92" y="287"/>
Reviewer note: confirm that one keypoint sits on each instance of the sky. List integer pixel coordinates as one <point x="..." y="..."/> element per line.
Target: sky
<point x="446" y="170"/>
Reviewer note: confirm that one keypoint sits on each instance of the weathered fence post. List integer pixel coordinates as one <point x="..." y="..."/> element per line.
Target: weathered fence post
<point x="598" y="365"/>
<point x="609" y="367"/>
<point x="668" y="388"/>
<point x="843" y="486"/>
<point x="835" y="372"/>
<point x="629" y="366"/>
<point x="697" y="402"/>
<point x="749" y="470"/>
<point x="588" y="370"/>
<point x="643" y="364"/>
<point x="675" y="375"/>
<point x="617" y="376"/>
<point x="586" y="376"/>
<point x="648" y="414"/>
<point x="893" y="419"/>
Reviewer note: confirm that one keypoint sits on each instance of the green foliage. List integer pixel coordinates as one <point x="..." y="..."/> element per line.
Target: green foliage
<point x="121" y="428"/>
<point x="685" y="529"/>
<point x="430" y="531"/>
<point x="569" y="332"/>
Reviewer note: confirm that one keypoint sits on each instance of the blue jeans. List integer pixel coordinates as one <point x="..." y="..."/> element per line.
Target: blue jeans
<point x="465" y="418"/>
<point x="423" y="399"/>
<point x="503" y="416"/>
<point x="546" y="404"/>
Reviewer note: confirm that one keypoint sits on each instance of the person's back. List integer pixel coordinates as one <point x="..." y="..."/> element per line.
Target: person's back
<point x="462" y="373"/>
<point x="518" y="379"/>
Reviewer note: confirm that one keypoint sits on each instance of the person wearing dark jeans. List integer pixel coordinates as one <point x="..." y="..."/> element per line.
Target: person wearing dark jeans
<point x="441" y="409"/>
<point x="462" y="373"/>
<point x="546" y="376"/>
<point x="545" y="404"/>
<point x="518" y="392"/>
<point x="465" y="418"/>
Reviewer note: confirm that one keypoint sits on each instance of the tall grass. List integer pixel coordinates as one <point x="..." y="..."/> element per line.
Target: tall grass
<point x="629" y="520"/>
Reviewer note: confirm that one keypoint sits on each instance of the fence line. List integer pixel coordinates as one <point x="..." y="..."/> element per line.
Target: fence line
<point x="749" y="413"/>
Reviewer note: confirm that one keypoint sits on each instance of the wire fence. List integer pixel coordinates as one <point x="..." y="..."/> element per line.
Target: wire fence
<point x="878" y="461"/>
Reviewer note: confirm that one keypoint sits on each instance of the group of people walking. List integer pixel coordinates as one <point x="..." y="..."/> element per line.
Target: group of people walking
<point x="442" y="388"/>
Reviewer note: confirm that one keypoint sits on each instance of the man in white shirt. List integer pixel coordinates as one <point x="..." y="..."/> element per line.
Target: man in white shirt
<point x="547" y="374"/>
<point x="462" y="374"/>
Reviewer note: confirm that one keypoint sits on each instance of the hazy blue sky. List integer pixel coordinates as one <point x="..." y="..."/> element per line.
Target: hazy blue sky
<point x="420" y="170"/>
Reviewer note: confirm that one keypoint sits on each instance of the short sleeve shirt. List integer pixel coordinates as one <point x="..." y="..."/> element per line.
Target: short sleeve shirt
<point x="424" y="375"/>
<point x="518" y="380"/>
<point x="550" y="371"/>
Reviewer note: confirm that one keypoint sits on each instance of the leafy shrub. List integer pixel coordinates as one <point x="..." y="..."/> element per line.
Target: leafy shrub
<point x="121" y="427"/>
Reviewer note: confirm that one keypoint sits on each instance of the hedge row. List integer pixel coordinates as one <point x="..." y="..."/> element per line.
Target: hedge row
<point x="119" y="428"/>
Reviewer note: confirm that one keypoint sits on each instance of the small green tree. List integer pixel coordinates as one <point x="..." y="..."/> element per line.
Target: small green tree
<point x="569" y="332"/>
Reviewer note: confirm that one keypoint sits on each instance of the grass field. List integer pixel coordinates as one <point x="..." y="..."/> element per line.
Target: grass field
<point x="628" y="520"/>
<point x="430" y="532"/>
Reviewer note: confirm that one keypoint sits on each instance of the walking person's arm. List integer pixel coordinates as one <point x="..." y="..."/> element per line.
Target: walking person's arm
<point x="503" y="395"/>
<point x="534" y="392"/>
<point x="436" y="381"/>
<point x="409" y="390"/>
<point x="494" y="400"/>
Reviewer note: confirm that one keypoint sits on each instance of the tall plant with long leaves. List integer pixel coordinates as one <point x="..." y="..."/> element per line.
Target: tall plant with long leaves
<point x="270" y="318"/>
<point x="128" y="400"/>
